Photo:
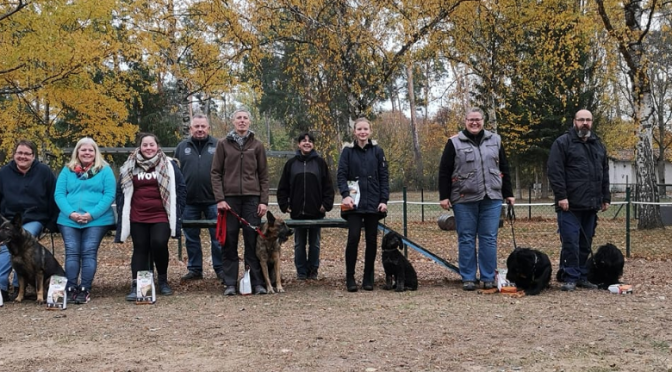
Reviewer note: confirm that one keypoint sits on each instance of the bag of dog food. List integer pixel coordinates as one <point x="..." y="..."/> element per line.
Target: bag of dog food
<point x="620" y="288"/>
<point x="354" y="191"/>
<point x="245" y="286"/>
<point x="503" y="284"/>
<point x="56" y="298"/>
<point x="146" y="293"/>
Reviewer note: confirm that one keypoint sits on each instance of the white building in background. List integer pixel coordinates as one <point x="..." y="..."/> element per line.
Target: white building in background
<point x="622" y="171"/>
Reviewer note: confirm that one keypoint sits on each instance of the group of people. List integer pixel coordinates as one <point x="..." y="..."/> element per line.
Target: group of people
<point x="474" y="180"/>
<point x="155" y="193"/>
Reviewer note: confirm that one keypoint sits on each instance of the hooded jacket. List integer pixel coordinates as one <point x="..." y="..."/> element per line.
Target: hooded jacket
<point x="305" y="186"/>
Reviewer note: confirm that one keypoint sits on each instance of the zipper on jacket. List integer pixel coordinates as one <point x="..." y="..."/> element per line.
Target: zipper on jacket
<point x="303" y="206"/>
<point x="240" y="187"/>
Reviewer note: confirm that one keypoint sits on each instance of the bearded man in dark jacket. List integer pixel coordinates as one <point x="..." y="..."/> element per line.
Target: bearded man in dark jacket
<point x="578" y="171"/>
<point x="307" y="193"/>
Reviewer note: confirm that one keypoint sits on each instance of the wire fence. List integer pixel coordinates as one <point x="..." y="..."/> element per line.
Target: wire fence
<point x="416" y="215"/>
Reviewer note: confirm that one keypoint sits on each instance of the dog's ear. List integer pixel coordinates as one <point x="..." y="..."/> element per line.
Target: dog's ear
<point x="16" y="221"/>
<point x="270" y="217"/>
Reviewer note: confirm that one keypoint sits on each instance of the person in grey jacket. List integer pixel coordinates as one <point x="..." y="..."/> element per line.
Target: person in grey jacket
<point x="362" y="163"/>
<point x="578" y="171"/>
<point x="195" y="156"/>
<point x="473" y="180"/>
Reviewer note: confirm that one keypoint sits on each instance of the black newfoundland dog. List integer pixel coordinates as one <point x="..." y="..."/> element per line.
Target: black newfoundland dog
<point x="529" y="269"/>
<point x="606" y="266"/>
<point x="399" y="273"/>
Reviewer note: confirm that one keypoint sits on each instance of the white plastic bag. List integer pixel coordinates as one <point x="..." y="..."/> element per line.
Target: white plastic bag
<point x="354" y="191"/>
<point x="245" y="286"/>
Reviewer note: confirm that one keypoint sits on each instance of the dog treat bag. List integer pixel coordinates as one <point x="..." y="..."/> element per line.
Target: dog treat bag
<point x="146" y="293"/>
<point x="56" y="298"/>
<point x="354" y="191"/>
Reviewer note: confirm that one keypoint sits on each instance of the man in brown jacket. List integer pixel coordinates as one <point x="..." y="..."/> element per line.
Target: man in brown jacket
<point x="240" y="183"/>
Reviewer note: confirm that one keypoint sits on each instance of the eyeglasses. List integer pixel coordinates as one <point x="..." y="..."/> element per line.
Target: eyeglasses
<point x="474" y="120"/>
<point x="21" y="153"/>
<point x="584" y="120"/>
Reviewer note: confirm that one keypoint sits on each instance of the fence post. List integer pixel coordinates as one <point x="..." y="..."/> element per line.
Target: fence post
<point x="627" y="221"/>
<point x="405" y="221"/>
<point x="422" y="205"/>
<point x="529" y="202"/>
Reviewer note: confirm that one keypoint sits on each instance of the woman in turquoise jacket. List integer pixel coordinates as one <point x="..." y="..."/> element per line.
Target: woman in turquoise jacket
<point x="85" y="190"/>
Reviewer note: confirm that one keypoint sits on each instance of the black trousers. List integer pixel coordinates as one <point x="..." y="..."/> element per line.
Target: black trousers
<point x="150" y="240"/>
<point x="370" y="223"/>
<point x="245" y="207"/>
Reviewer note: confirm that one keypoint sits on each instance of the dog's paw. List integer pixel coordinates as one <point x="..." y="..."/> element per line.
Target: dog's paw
<point x="280" y="290"/>
<point x="271" y="291"/>
<point x="40" y="302"/>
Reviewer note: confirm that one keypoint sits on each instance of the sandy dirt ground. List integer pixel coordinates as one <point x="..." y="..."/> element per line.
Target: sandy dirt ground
<point x="318" y="326"/>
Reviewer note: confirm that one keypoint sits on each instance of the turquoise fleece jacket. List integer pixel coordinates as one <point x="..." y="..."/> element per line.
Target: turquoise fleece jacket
<point x="94" y="195"/>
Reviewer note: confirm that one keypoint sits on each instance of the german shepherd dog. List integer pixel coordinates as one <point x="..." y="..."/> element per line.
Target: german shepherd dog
<point x="605" y="267"/>
<point x="530" y="269"/>
<point x="32" y="262"/>
<point x="275" y="232"/>
<point x="399" y="273"/>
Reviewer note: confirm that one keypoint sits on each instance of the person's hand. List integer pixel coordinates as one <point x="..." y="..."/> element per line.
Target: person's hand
<point x="322" y="210"/>
<point x="223" y="206"/>
<point x="75" y="217"/>
<point x="605" y="206"/>
<point x="445" y="204"/>
<point x="511" y="200"/>
<point x="85" y="218"/>
<point x="261" y="210"/>
<point x="348" y="202"/>
<point x="563" y="204"/>
<point x="382" y="207"/>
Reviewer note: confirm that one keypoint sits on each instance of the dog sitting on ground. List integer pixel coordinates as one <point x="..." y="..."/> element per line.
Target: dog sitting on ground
<point x="530" y="269"/>
<point x="32" y="262"/>
<point x="606" y="266"/>
<point x="399" y="273"/>
<point x="274" y="232"/>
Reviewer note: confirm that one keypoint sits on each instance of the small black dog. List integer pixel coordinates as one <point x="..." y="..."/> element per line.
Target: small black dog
<point x="33" y="263"/>
<point x="606" y="266"/>
<point x="399" y="273"/>
<point x="530" y="269"/>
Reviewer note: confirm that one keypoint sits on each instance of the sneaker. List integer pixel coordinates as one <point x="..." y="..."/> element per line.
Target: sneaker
<point x="259" y="289"/>
<point x="312" y="273"/>
<point x="230" y="290"/>
<point x="83" y="296"/>
<point x="488" y="285"/>
<point x="586" y="284"/>
<point x="192" y="275"/>
<point x="469" y="286"/>
<point x="5" y="295"/>
<point x="72" y="294"/>
<point x="301" y="277"/>
<point x="568" y="287"/>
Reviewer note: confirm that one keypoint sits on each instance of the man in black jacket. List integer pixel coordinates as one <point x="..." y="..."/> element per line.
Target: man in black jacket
<point x="578" y="171"/>
<point x="195" y="156"/>
<point x="307" y="193"/>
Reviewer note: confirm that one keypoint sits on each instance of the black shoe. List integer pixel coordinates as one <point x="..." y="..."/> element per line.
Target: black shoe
<point x="72" y="294"/>
<point x="312" y="273"/>
<point x="133" y="294"/>
<point x="568" y="287"/>
<point x="586" y="284"/>
<point x="192" y="275"/>
<point x="164" y="289"/>
<point x="83" y="296"/>
<point x="367" y="282"/>
<point x="351" y="284"/>
<point x="230" y="290"/>
<point x="259" y="289"/>
<point x="469" y="286"/>
<point x="5" y="296"/>
<point x="220" y="276"/>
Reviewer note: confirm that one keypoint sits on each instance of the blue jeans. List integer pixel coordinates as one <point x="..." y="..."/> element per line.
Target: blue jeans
<point x="477" y="219"/>
<point x="312" y="262"/>
<point x="576" y="230"/>
<point x="192" y="236"/>
<point x="81" y="252"/>
<point x="34" y="228"/>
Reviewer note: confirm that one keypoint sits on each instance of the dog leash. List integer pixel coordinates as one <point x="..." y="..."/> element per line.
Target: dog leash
<point x="221" y="229"/>
<point x="511" y="216"/>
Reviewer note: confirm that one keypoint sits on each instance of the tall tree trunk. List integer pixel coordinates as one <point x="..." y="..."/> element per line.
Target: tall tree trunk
<point x="661" y="152"/>
<point x="631" y="48"/>
<point x="419" y="172"/>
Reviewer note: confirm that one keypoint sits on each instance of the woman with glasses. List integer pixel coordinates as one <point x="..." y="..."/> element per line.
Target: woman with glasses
<point x="473" y="180"/>
<point x="84" y="193"/>
<point x="26" y="188"/>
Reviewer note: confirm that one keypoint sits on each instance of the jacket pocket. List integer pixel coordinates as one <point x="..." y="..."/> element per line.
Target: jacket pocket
<point x="495" y="179"/>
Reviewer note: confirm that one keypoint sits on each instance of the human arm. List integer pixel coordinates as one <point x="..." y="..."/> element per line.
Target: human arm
<point x="446" y="167"/>
<point x="262" y="172"/>
<point x="217" y="172"/>
<point x="327" y="188"/>
<point x="282" y="195"/>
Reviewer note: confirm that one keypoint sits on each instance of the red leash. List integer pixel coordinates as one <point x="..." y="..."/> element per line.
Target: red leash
<point x="221" y="225"/>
